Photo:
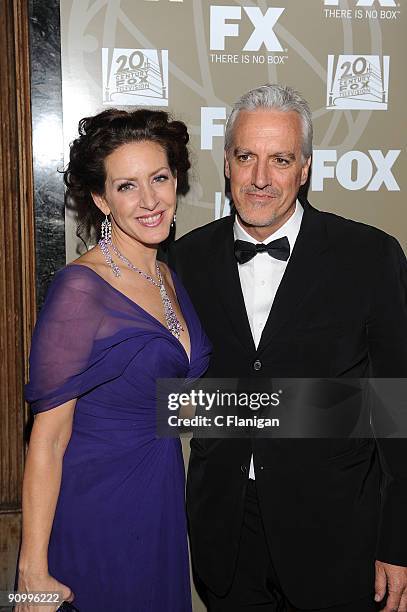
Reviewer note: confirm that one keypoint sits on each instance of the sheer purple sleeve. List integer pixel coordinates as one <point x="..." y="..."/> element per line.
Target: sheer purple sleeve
<point x="64" y="352"/>
<point x="88" y="333"/>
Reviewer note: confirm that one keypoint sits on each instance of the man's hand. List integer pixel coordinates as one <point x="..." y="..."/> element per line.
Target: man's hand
<point x="393" y="580"/>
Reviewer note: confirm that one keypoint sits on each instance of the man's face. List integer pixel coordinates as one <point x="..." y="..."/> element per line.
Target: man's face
<point x="265" y="168"/>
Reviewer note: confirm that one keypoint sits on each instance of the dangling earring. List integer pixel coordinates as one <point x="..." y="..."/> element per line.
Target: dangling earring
<point x="106" y="229"/>
<point x="174" y="220"/>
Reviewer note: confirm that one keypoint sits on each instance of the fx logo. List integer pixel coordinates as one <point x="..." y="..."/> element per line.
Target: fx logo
<point x="221" y="210"/>
<point x="209" y="129"/>
<point x="263" y="32"/>
<point x="354" y="170"/>
<point x="363" y="3"/>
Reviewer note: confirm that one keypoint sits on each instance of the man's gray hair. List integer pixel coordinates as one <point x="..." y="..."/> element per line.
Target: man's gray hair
<point x="273" y="97"/>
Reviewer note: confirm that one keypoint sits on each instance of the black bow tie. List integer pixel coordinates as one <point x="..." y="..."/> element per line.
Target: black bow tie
<point x="279" y="249"/>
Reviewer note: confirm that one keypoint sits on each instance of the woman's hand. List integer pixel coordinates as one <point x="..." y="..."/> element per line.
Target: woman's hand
<point x="36" y="583"/>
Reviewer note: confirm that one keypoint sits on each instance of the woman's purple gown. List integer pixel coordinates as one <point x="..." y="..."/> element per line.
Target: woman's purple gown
<point x="119" y="537"/>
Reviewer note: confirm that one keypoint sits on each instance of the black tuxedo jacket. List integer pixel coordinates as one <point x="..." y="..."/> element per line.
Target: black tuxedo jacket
<point x="330" y="507"/>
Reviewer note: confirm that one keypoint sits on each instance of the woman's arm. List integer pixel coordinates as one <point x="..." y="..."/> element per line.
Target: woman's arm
<point x="42" y="480"/>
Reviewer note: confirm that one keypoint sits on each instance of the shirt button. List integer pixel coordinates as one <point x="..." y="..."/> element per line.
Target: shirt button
<point x="257" y="365"/>
<point x="262" y="283"/>
<point x="243" y="469"/>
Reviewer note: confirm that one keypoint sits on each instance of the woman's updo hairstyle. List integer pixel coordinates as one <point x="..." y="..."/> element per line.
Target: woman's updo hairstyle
<point x="102" y="134"/>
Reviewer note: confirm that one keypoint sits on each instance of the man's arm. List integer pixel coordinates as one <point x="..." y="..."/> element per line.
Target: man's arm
<point x="387" y="344"/>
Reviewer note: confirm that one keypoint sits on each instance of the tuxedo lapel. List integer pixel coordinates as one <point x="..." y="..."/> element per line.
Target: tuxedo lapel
<point x="227" y="284"/>
<point x="302" y="273"/>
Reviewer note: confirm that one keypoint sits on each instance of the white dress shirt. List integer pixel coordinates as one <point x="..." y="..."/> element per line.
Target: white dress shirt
<point x="261" y="276"/>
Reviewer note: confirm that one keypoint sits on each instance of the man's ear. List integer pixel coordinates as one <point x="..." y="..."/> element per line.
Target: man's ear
<point x="305" y="170"/>
<point x="100" y="202"/>
<point x="227" y="166"/>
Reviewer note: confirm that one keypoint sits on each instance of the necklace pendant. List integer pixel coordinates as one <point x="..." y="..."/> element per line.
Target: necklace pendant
<point x="171" y="318"/>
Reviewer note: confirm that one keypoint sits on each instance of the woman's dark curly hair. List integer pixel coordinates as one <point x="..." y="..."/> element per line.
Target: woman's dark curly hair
<point x="102" y="134"/>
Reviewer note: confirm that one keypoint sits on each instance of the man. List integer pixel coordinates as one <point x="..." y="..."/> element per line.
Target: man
<point x="296" y="524"/>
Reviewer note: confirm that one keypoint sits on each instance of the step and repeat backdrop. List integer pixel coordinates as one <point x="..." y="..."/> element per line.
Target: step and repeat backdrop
<point x="194" y="58"/>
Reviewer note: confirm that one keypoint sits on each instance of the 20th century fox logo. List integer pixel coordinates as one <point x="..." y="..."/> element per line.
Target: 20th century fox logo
<point x="135" y="77"/>
<point x="358" y="82"/>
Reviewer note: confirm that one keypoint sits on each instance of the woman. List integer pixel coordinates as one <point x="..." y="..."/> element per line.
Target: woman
<point x="103" y="498"/>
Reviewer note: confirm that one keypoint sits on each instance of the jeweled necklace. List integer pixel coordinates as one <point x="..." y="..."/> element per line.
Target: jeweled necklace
<point x="171" y="318"/>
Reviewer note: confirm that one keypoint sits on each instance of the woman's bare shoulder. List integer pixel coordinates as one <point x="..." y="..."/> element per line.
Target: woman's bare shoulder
<point x="92" y="259"/>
